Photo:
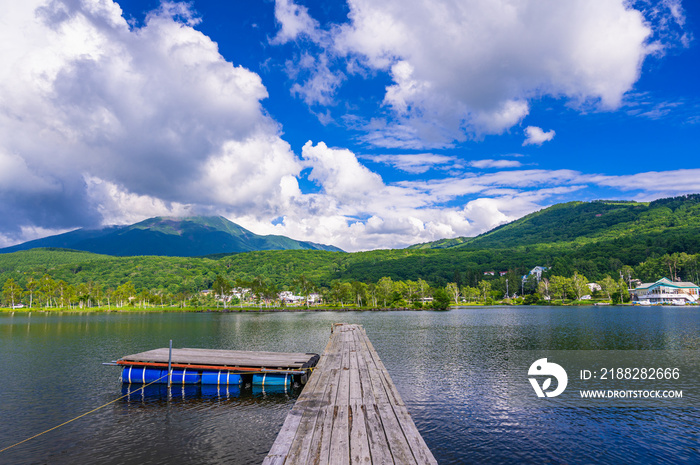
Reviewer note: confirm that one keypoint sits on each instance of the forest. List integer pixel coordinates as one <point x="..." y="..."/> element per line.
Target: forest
<point x="597" y="240"/>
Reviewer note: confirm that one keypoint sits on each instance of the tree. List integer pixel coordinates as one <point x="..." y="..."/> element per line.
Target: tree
<point x="608" y="285"/>
<point x="372" y="293"/>
<point x="485" y="289"/>
<point x="385" y="288"/>
<point x="621" y="293"/>
<point x="453" y="290"/>
<point x="47" y="288"/>
<point x="359" y="291"/>
<point x="543" y="288"/>
<point x="441" y="299"/>
<point x="221" y="288"/>
<point x="340" y="292"/>
<point x="579" y="285"/>
<point x="410" y="288"/>
<point x="257" y="287"/>
<point x="560" y="286"/>
<point x="470" y="293"/>
<point x="423" y="287"/>
<point x="62" y="293"/>
<point x="32" y="286"/>
<point x="626" y="274"/>
<point x="12" y="292"/>
<point x="305" y="287"/>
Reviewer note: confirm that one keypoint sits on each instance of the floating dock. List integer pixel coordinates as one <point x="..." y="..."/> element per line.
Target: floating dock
<point x="349" y="412"/>
<point x="221" y="367"/>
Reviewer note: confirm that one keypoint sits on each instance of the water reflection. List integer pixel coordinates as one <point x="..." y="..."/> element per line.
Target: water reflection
<point x="451" y="369"/>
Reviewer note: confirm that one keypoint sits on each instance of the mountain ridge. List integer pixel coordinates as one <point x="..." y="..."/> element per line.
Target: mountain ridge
<point x="170" y="236"/>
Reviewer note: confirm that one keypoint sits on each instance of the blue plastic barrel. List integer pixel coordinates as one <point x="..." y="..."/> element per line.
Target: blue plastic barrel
<point x="269" y="390"/>
<point x="272" y="379"/>
<point x="143" y="375"/>
<point x="185" y="376"/>
<point x="221" y="391"/>
<point x="221" y="378"/>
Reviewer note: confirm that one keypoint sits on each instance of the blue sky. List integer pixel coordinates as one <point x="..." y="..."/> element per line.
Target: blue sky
<point x="362" y="124"/>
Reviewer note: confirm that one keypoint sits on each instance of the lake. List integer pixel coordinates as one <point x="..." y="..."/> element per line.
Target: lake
<point x="452" y="369"/>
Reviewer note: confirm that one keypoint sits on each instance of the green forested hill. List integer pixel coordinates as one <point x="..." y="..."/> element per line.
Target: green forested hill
<point x="592" y="238"/>
<point x="659" y="223"/>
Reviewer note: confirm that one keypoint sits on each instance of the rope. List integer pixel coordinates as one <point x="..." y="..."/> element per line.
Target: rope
<point x="84" y="414"/>
<point x="93" y="410"/>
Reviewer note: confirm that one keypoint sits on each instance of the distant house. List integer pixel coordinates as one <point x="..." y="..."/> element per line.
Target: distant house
<point x="489" y="273"/>
<point x="502" y="273"/>
<point x="594" y="287"/>
<point x="289" y="297"/>
<point x="665" y="291"/>
<point x="537" y="272"/>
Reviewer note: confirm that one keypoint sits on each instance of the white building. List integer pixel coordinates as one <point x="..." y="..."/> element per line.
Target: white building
<point x="290" y="298"/>
<point x="537" y="271"/>
<point x="664" y="291"/>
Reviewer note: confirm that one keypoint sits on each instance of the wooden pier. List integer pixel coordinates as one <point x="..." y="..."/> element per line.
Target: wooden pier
<point x="349" y="412"/>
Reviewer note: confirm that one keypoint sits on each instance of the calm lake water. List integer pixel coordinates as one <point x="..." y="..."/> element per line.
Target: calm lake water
<point x="448" y="367"/>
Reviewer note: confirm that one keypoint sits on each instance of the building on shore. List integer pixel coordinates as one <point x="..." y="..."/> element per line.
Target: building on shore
<point x="665" y="291"/>
<point x="536" y="272"/>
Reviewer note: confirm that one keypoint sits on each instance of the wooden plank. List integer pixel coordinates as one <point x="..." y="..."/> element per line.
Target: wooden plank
<point x="376" y="437"/>
<point x="340" y="436"/>
<point x="415" y="441"/>
<point x="359" y="442"/>
<point x="224" y="358"/>
<point x="311" y="402"/>
<point x="324" y="434"/>
<point x="349" y="412"/>
<point x="307" y="411"/>
<point x="400" y="450"/>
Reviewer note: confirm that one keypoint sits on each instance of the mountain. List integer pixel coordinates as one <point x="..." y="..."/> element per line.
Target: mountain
<point x="595" y="239"/>
<point x="166" y="236"/>
<point x="674" y="222"/>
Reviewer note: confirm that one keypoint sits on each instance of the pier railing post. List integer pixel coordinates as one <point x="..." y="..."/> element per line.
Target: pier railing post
<point x="170" y="363"/>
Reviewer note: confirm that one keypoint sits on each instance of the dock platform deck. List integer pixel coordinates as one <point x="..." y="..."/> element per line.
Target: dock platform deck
<point x="223" y="359"/>
<point x="349" y="412"/>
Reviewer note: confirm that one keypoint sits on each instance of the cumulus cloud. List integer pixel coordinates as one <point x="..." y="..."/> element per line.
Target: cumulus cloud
<point x="536" y="136"/>
<point x="153" y="112"/>
<point x="468" y="68"/>
<point x="339" y="172"/>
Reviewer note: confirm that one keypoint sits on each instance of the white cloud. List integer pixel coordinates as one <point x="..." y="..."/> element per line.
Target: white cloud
<point x="490" y="163"/>
<point x="339" y="172"/>
<point x="536" y="136"/>
<point x="655" y="183"/>
<point x="413" y="163"/>
<point x="294" y="21"/>
<point x="154" y="113"/>
<point x="321" y="84"/>
<point x="466" y="68"/>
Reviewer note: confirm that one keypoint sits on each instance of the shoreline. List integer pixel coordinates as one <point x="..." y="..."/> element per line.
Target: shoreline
<point x="275" y="309"/>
